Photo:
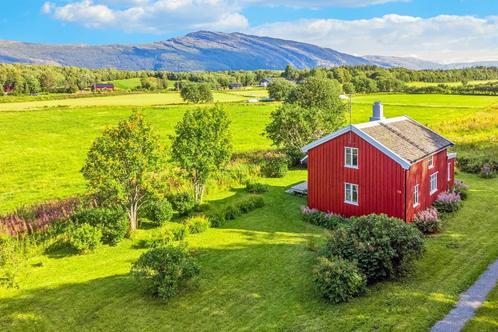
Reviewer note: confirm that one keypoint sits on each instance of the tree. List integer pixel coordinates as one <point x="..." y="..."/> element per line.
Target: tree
<point x="121" y="163"/>
<point x="196" y="93"/>
<point x="279" y="89"/>
<point x="290" y="73"/>
<point x="202" y="145"/>
<point x="317" y="93"/>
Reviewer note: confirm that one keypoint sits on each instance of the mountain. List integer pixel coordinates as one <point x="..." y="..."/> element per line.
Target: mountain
<point x="404" y="62"/>
<point x="201" y="50"/>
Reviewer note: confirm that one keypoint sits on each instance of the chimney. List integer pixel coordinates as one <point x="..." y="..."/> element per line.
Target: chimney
<point x="377" y="112"/>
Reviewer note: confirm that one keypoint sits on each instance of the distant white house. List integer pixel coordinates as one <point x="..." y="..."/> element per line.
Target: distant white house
<point x="265" y="82"/>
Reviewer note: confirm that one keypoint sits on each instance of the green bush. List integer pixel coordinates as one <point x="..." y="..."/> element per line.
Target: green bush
<point x="256" y="188"/>
<point x="462" y="189"/>
<point x="318" y="218"/>
<point x="275" y="165"/>
<point x="13" y="260"/>
<point x="183" y="202"/>
<point x="383" y="247"/>
<point x="197" y="224"/>
<point x="231" y="212"/>
<point x="159" y="211"/>
<point x="216" y="219"/>
<point x="114" y="224"/>
<point x="165" y="271"/>
<point x="84" y="238"/>
<point x="180" y="232"/>
<point x="242" y="206"/>
<point x="338" y="280"/>
<point x="160" y="237"/>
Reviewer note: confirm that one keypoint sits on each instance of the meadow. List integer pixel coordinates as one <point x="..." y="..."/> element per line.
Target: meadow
<point x="453" y="84"/>
<point x="255" y="270"/>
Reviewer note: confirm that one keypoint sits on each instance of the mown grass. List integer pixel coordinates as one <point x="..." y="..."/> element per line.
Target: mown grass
<point x="42" y="151"/>
<point x="256" y="276"/>
<point x="486" y="319"/>
<point x="424" y="84"/>
<point x="127" y="84"/>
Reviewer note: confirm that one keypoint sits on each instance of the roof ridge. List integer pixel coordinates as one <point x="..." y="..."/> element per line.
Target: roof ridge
<point x="400" y="134"/>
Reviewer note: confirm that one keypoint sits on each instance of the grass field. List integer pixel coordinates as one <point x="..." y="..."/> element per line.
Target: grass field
<point x="127" y="84"/>
<point x="486" y="319"/>
<point x="255" y="276"/>
<point x="255" y="271"/>
<point x="44" y="150"/>
<point x="423" y="84"/>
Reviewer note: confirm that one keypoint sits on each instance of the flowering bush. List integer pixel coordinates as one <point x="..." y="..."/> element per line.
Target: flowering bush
<point x="448" y="202"/>
<point x="461" y="188"/>
<point x="487" y="171"/>
<point x="318" y="218"/>
<point x="427" y="221"/>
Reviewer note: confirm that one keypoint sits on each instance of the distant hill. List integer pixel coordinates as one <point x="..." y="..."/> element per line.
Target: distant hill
<point x="204" y="50"/>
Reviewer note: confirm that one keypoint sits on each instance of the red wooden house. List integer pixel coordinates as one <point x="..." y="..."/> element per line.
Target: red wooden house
<point x="102" y="87"/>
<point x="394" y="166"/>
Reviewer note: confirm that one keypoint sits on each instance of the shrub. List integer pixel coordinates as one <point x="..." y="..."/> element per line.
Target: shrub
<point x="427" y="221"/>
<point x="183" y="202"/>
<point x="13" y="260"/>
<point x="180" y="232"/>
<point x="256" y="188"/>
<point x="318" y="218"/>
<point x="84" y="238"/>
<point x="114" y="224"/>
<point x="165" y="271"/>
<point x="383" y="247"/>
<point x="338" y="280"/>
<point x="462" y="189"/>
<point x="197" y="224"/>
<point x="275" y="165"/>
<point x="160" y="237"/>
<point x="448" y="202"/>
<point x="159" y="211"/>
<point x="487" y="171"/>
<point x="216" y="219"/>
<point x="249" y="204"/>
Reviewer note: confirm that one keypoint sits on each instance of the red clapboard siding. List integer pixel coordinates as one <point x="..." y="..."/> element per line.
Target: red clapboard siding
<point x="381" y="180"/>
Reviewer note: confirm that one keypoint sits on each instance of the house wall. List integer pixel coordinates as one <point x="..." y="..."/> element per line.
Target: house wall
<point x="381" y="180"/>
<point x="420" y="173"/>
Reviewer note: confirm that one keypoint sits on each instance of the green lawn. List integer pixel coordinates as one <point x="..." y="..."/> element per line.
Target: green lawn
<point x="486" y="319"/>
<point x="127" y="84"/>
<point x="255" y="276"/>
<point x="423" y="84"/>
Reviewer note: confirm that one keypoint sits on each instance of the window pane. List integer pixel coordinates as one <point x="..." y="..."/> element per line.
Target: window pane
<point x="355" y="157"/>
<point x="355" y="194"/>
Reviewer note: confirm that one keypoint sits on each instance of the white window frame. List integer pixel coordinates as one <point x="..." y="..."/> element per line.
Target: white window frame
<point x="435" y="175"/>
<point x="416" y="195"/>
<point x="350" y="190"/>
<point x="350" y="150"/>
<point x="431" y="162"/>
<point x="449" y="171"/>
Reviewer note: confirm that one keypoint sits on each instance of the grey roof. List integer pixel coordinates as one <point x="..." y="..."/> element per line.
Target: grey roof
<point x="405" y="137"/>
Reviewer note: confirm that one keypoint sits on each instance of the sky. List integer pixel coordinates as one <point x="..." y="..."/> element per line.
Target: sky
<point x="439" y="30"/>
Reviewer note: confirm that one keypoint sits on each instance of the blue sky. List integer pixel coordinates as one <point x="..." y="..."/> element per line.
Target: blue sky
<point x="441" y="30"/>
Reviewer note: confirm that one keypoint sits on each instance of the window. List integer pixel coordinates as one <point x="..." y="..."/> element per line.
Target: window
<point x="415" y="195"/>
<point x="449" y="171"/>
<point x="351" y="193"/>
<point x="433" y="183"/>
<point x="351" y="157"/>
<point x="431" y="162"/>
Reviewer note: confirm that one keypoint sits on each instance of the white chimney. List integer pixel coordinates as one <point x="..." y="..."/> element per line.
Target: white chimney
<point x="377" y="111"/>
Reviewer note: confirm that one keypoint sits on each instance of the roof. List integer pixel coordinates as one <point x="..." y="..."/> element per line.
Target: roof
<point x="403" y="139"/>
<point x="103" y="85"/>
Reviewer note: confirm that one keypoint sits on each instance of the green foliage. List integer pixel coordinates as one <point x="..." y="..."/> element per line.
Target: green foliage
<point x="274" y="165"/>
<point x="196" y="93"/>
<point x="183" y="202"/>
<point x="239" y="207"/>
<point x="13" y="260"/>
<point x="383" y="247"/>
<point x="279" y="89"/>
<point x="160" y="237"/>
<point x="202" y="144"/>
<point x="112" y="223"/>
<point x="256" y="188"/>
<point x="84" y="238"/>
<point x="180" y="232"/>
<point x="310" y="111"/>
<point x="197" y="224"/>
<point x="217" y="218"/>
<point x="165" y="271"/>
<point x="120" y="165"/>
<point x="318" y="218"/>
<point x="448" y="202"/>
<point x="159" y="211"/>
<point x="338" y="280"/>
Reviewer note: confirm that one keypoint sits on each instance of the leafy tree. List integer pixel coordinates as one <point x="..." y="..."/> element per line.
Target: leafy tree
<point x="290" y="72"/>
<point x="279" y="89"/>
<point x="196" y="93"/>
<point x="120" y="165"/>
<point x="318" y="93"/>
<point x="202" y="145"/>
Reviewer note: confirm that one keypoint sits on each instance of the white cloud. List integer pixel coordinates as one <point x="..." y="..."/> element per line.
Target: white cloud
<point x="321" y="3"/>
<point x="443" y="38"/>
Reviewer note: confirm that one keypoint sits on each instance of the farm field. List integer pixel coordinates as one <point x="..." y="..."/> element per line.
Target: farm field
<point x="51" y="144"/>
<point x="141" y="99"/>
<point x="423" y="84"/>
<point x="126" y="84"/>
<point x="255" y="276"/>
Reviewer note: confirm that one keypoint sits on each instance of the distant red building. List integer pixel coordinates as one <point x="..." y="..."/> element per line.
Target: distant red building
<point x="394" y="166"/>
<point x="102" y="87"/>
